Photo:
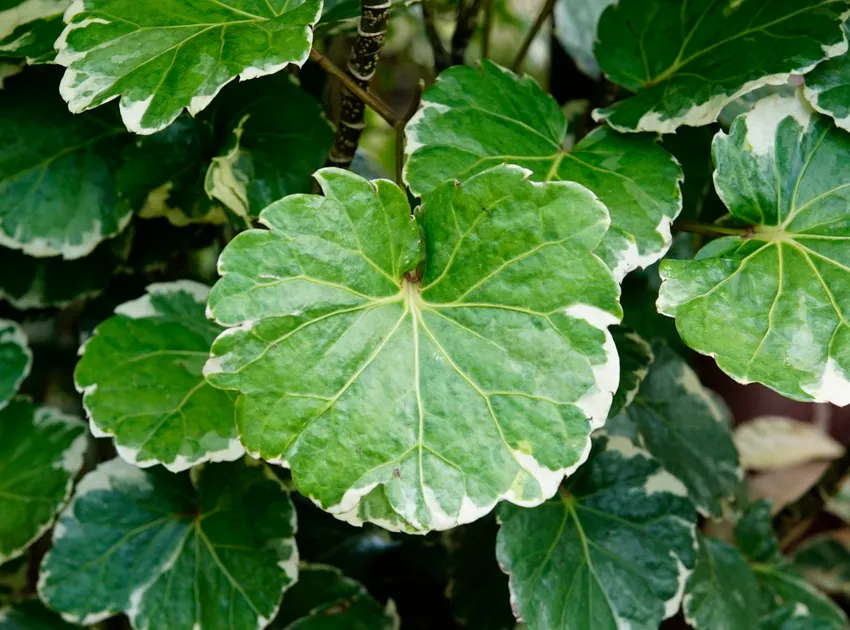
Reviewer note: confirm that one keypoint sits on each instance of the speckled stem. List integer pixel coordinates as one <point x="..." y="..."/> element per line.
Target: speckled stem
<point x="371" y="33"/>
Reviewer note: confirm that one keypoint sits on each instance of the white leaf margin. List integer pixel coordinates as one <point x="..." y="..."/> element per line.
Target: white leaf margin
<point x="142" y="308"/>
<point x="11" y="332"/>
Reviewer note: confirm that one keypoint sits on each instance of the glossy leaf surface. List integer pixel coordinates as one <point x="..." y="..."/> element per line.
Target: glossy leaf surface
<point x="432" y="391"/>
<point x="828" y="88"/>
<point x="612" y="550"/>
<point x="41" y="450"/>
<point x="474" y="118"/>
<point x="214" y="551"/>
<point x="687" y="60"/>
<point x="772" y="307"/>
<point x="142" y="382"/>
<point x="163" y="57"/>
<point x="28" y="28"/>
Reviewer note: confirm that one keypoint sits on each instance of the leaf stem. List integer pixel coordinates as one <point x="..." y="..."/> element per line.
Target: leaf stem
<point x="711" y="230"/>
<point x="441" y="55"/>
<point x="529" y="38"/>
<point x="794" y="519"/>
<point x="399" y="131"/>
<point x="488" y="27"/>
<point x="467" y="17"/>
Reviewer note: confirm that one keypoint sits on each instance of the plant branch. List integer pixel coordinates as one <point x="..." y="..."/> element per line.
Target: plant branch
<point x="441" y="55"/>
<point x="371" y="34"/>
<point x="381" y="108"/>
<point x="711" y="230"/>
<point x="794" y="519"/>
<point x="529" y="38"/>
<point x="467" y="18"/>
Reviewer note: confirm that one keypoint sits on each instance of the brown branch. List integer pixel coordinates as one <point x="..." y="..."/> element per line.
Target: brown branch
<point x="371" y="34"/>
<point x="794" y="519"/>
<point x="529" y="38"/>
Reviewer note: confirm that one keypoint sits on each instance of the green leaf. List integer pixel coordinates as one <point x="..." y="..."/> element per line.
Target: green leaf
<point x="721" y="593"/>
<point x="15" y="360"/>
<point x="635" y="358"/>
<point x="46" y="282"/>
<point x="163" y="57"/>
<point x="474" y="378"/>
<point x="28" y="28"/>
<point x="474" y="118"/>
<point x="682" y="425"/>
<point x="324" y="599"/>
<point x="278" y="136"/>
<point x="478" y="589"/>
<point x="686" y="61"/>
<point x="141" y="379"/>
<point x="793" y="617"/>
<point x="779" y="580"/>
<point x="57" y="172"/>
<point x="31" y="614"/>
<point x="828" y="88"/>
<point x="612" y="550"/>
<point x="770" y="306"/>
<point x="825" y="562"/>
<point x="575" y="28"/>
<point x="214" y="551"/>
<point x="41" y="450"/>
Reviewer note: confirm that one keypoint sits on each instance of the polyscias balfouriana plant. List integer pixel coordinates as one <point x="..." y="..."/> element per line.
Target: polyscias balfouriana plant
<point x="352" y="368"/>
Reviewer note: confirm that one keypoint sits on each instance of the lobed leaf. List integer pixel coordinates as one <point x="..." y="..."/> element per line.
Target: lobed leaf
<point x="418" y="393"/>
<point x="41" y="451"/>
<point x="141" y="379"/>
<point x="172" y="55"/>
<point x="475" y="118"/>
<point x="612" y="550"/>
<point x="214" y="551"/>
<point x="687" y="60"/>
<point x="771" y="306"/>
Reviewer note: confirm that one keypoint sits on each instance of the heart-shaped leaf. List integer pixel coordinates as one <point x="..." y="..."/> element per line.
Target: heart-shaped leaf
<point x="142" y="382"/>
<point x="169" y="55"/>
<point x="687" y="60"/>
<point x="474" y="118"/>
<point x="15" y="360"/>
<point x="612" y="550"/>
<point x="41" y="450"/>
<point x="770" y="305"/>
<point x="212" y="552"/>
<point x="442" y="385"/>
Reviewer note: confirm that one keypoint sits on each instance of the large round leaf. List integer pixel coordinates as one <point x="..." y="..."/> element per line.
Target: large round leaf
<point x="474" y="377"/>
<point x="687" y="60"/>
<point x="41" y="450"/>
<point x="612" y="550"/>
<point x="214" y="551"/>
<point x="772" y="305"/>
<point x="58" y="192"/>
<point x="168" y="55"/>
<point x="15" y="360"/>
<point x="142" y="382"/>
<point x="474" y="118"/>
